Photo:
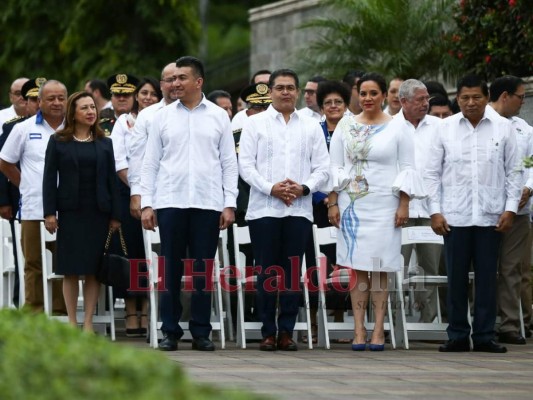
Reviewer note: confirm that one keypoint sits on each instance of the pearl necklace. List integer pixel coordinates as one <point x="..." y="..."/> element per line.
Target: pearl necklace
<point x="87" y="139"/>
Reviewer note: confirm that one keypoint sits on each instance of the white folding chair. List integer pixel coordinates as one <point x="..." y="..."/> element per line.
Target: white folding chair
<point x="224" y="251"/>
<point x="434" y="330"/>
<point x="7" y="269"/>
<point x="241" y="236"/>
<point x="101" y="317"/>
<point x="325" y="236"/>
<point x="217" y="315"/>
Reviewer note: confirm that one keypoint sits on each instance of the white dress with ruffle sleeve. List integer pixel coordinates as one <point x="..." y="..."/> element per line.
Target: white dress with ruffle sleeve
<point x="370" y="165"/>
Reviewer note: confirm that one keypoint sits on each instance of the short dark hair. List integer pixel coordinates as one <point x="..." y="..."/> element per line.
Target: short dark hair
<point x="317" y="79"/>
<point x="435" y="87"/>
<point x="101" y="86"/>
<point x="507" y="83"/>
<point x="260" y="72"/>
<point x="215" y="94"/>
<point x="194" y="63"/>
<point x="373" y="76"/>
<point x="283" y="72"/>
<point x="439" y="100"/>
<point x="473" y="81"/>
<point x="351" y="76"/>
<point x="326" y="88"/>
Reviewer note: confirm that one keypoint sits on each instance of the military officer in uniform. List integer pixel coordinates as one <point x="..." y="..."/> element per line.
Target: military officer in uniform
<point x="9" y="193"/>
<point x="122" y="87"/>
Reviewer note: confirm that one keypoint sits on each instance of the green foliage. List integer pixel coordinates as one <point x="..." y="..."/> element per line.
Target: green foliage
<point x="393" y="37"/>
<point x="493" y="38"/>
<point x="78" y="40"/>
<point x="48" y="360"/>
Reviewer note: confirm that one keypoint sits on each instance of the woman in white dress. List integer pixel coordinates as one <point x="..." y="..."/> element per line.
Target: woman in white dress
<point x="372" y="169"/>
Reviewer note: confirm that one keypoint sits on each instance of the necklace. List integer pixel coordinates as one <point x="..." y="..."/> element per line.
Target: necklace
<point x="87" y="139"/>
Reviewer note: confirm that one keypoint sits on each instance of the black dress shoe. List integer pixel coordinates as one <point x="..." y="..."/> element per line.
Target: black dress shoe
<point x="490" y="347"/>
<point x="455" y="346"/>
<point x="511" y="338"/>
<point x="528" y="333"/>
<point x="203" y="344"/>
<point x="169" y="342"/>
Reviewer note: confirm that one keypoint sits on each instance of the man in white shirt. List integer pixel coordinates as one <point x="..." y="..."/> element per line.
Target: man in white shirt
<point x="413" y="118"/>
<point x="189" y="175"/>
<point x="27" y="144"/>
<point x="283" y="157"/>
<point x="474" y="186"/>
<point x="18" y="103"/>
<point x="506" y="98"/>
<point x="393" y="100"/>
<point x="311" y="108"/>
<point x="139" y="136"/>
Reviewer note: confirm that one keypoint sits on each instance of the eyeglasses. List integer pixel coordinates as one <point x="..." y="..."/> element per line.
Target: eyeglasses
<point x="336" y="103"/>
<point x="282" y="88"/>
<point x="169" y="80"/>
<point x="520" y="96"/>
<point x="17" y="93"/>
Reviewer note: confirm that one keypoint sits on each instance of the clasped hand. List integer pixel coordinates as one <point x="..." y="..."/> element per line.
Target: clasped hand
<point x="287" y="191"/>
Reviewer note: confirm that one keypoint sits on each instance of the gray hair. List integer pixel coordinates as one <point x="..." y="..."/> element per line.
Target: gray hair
<point x="47" y="83"/>
<point x="409" y="87"/>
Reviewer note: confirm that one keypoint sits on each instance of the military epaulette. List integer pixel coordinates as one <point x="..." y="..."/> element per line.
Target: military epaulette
<point x="107" y="125"/>
<point x="17" y="118"/>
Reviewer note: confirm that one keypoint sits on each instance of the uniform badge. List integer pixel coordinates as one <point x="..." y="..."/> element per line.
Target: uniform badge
<point x="261" y="88"/>
<point x="122" y="78"/>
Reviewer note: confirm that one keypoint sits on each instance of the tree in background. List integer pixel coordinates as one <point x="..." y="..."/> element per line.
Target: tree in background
<point x="393" y="37"/>
<point x="78" y="40"/>
<point x="493" y="38"/>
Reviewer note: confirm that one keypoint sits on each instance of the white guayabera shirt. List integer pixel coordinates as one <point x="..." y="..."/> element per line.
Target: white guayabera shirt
<point x="473" y="174"/>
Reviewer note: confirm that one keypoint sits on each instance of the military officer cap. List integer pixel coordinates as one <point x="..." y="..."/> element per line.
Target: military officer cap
<point x="122" y="83"/>
<point x="256" y="93"/>
<point x="31" y="88"/>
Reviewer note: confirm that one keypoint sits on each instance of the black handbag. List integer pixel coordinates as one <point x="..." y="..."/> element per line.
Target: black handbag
<point x="114" y="269"/>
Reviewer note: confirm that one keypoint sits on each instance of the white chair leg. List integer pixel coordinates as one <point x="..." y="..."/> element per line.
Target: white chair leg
<point x="241" y="336"/>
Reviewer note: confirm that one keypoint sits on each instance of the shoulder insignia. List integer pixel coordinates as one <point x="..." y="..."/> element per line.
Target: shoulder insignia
<point x="18" y="118"/>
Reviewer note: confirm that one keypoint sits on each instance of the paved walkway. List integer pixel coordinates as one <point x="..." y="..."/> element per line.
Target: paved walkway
<point x="339" y="373"/>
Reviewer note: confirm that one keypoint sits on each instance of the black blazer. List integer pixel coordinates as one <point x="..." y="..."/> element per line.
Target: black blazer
<point x="62" y="194"/>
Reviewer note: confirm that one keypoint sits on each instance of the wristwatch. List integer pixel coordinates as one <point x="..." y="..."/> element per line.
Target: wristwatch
<point x="306" y="190"/>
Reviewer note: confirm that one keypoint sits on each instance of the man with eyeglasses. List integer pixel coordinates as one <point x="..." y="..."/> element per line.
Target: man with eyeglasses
<point x="283" y="157"/>
<point x="474" y="183"/>
<point x="506" y="98"/>
<point x="18" y="103"/>
<point x="311" y="108"/>
<point x="413" y="119"/>
<point x="139" y="136"/>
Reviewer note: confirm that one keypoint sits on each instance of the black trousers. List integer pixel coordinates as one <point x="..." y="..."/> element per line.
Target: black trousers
<point x="464" y="247"/>
<point x="197" y="231"/>
<point x="278" y="246"/>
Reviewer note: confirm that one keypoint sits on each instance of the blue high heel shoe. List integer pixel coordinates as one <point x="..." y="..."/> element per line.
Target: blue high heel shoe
<point x="376" y="347"/>
<point x="359" y="347"/>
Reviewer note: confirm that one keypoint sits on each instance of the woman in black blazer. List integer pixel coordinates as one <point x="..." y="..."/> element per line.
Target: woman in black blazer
<point x="80" y="185"/>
